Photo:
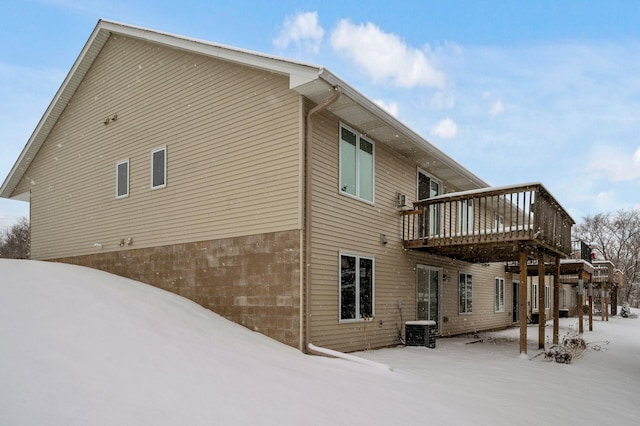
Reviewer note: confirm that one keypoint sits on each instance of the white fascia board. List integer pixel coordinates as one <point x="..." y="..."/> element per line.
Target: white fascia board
<point x="299" y="72"/>
<point x="53" y="111"/>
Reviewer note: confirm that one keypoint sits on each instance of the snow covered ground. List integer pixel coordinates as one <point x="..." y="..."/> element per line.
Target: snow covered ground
<point x="82" y="347"/>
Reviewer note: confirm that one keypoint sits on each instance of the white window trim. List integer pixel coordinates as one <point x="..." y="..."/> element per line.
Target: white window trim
<point x="465" y="215"/>
<point x="460" y="312"/>
<point x="373" y="287"/>
<point x="499" y="281"/>
<point x="373" y="173"/>
<point x="534" y="296"/>
<point x="118" y="196"/>
<point x="564" y="297"/>
<point x="153" y="151"/>
<point x="547" y="296"/>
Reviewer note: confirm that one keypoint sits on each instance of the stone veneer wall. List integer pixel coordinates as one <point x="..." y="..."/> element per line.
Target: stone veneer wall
<point x="253" y="280"/>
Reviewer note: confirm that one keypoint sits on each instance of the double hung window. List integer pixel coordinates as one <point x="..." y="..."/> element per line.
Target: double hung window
<point x="465" y="217"/>
<point x="499" y="302"/>
<point x="356" y="287"/>
<point x="547" y="297"/>
<point x="356" y="165"/>
<point x="466" y="293"/>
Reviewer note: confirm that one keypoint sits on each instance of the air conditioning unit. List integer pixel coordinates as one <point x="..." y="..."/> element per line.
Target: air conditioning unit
<point x="421" y="333"/>
<point x="401" y="200"/>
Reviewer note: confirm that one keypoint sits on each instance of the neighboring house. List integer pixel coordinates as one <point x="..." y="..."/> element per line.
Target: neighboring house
<point x="273" y="193"/>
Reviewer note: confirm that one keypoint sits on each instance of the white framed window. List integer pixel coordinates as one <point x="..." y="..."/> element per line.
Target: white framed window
<point x="465" y="217"/>
<point x="122" y="179"/>
<point x="465" y="290"/>
<point x="159" y="168"/>
<point x="498" y="222"/>
<point x="499" y="295"/>
<point x="547" y="296"/>
<point x="534" y="296"/>
<point x="564" y="297"/>
<point x="356" y="165"/>
<point x="356" y="287"/>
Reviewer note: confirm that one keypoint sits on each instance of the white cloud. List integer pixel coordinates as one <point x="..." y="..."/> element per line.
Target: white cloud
<point x="303" y="30"/>
<point x="636" y="157"/>
<point x="496" y="109"/>
<point x="390" y="107"/>
<point x="384" y="56"/>
<point x="445" y="129"/>
<point x="443" y="99"/>
<point x="612" y="164"/>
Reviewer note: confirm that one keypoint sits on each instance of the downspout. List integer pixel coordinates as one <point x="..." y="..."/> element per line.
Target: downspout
<point x="308" y="180"/>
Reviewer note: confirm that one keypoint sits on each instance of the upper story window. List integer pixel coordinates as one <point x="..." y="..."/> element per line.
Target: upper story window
<point x="159" y="168"/>
<point x="122" y="179"/>
<point x="356" y="165"/>
<point x="465" y="217"/>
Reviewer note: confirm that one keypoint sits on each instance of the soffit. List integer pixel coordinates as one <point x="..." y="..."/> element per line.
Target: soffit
<point x="371" y="120"/>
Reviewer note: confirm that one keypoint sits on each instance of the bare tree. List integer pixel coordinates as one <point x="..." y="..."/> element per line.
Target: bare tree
<point x="16" y="242"/>
<point x="616" y="237"/>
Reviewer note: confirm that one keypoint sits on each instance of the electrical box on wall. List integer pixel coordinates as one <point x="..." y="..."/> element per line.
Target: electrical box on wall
<point x="401" y="200"/>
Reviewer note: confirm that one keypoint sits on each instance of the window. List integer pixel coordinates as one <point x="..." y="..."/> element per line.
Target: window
<point x="534" y="296"/>
<point x="122" y="179"/>
<point x="498" y="222"/>
<point x="429" y="187"/>
<point x="547" y="297"/>
<point x="356" y="287"/>
<point x="564" y="297"/>
<point x="466" y="293"/>
<point x="465" y="216"/>
<point x="356" y="165"/>
<point x="159" y="168"/>
<point x="499" y="302"/>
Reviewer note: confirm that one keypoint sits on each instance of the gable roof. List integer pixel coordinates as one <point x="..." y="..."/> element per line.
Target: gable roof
<point x="314" y="82"/>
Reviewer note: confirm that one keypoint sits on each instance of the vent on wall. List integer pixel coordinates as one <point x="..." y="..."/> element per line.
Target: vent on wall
<point x="401" y="200"/>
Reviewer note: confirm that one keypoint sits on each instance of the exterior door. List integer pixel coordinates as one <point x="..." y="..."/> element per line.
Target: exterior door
<point x="428" y="294"/>
<point x="515" y="309"/>
<point x="429" y="187"/>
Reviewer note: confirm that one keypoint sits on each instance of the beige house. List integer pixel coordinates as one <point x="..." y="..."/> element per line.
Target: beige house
<point x="273" y="193"/>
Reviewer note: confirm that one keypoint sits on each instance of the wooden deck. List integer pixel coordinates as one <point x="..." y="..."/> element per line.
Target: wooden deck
<point x="489" y="225"/>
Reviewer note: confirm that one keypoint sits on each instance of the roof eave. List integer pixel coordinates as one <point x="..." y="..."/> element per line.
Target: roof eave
<point x="422" y="144"/>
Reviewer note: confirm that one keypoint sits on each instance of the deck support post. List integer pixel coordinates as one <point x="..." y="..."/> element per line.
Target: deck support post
<point x="590" y="306"/>
<point x="556" y="301"/>
<point x="523" y="300"/>
<point x="541" y="301"/>
<point x="580" y="303"/>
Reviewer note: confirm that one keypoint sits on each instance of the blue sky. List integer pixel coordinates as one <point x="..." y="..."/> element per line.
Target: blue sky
<point x="515" y="91"/>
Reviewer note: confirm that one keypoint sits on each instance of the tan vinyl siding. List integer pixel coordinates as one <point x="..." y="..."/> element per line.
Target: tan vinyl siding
<point x="233" y="159"/>
<point x="344" y="224"/>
